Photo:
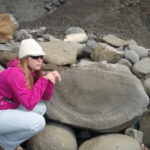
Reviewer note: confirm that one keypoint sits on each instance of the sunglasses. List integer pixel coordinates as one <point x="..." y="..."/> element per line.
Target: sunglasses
<point x="36" y="57"/>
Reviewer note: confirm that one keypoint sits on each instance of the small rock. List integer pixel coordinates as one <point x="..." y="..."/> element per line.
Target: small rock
<point x="76" y="37"/>
<point x="137" y="135"/>
<point x="141" y="51"/>
<point x="74" y="30"/>
<point x="92" y="44"/>
<point x="114" y="40"/>
<point x="40" y="39"/>
<point x="21" y="35"/>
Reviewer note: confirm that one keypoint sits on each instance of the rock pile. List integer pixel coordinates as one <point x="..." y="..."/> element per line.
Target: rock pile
<point x="105" y="88"/>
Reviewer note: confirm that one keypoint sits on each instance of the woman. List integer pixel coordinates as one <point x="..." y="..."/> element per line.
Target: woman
<point x="22" y="86"/>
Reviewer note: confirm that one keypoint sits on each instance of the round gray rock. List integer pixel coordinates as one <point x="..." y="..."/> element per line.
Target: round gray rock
<point x="142" y="67"/>
<point x="53" y="137"/>
<point x="132" y="56"/>
<point x="141" y="51"/>
<point x="111" y="142"/>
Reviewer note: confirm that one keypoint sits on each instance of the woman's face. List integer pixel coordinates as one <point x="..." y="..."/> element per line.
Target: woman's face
<point x="35" y="62"/>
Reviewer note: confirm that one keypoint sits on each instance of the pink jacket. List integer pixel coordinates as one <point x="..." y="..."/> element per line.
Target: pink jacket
<point x="13" y="89"/>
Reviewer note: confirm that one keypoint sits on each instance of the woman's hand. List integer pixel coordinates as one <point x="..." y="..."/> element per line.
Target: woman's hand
<point x="51" y="76"/>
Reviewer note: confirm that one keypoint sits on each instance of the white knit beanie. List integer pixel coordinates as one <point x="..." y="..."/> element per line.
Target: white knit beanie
<point x="29" y="47"/>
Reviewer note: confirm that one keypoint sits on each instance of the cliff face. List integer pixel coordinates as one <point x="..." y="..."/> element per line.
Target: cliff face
<point x="124" y="18"/>
<point x="29" y="10"/>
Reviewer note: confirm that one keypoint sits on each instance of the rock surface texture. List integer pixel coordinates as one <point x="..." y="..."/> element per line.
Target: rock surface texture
<point x="98" y="97"/>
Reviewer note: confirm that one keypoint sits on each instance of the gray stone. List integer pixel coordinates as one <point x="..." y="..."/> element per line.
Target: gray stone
<point x="87" y="51"/>
<point x="47" y="37"/>
<point x="3" y="47"/>
<point x="99" y="97"/>
<point x="35" y="33"/>
<point x="43" y="29"/>
<point x="92" y="44"/>
<point x="114" y="40"/>
<point x="73" y="30"/>
<point x="21" y="35"/>
<point x="137" y="135"/>
<point x="40" y="39"/>
<point x="111" y="142"/>
<point x="54" y="137"/>
<point x="141" y="51"/>
<point x="132" y="56"/>
<point x="13" y="46"/>
<point x="142" y="67"/>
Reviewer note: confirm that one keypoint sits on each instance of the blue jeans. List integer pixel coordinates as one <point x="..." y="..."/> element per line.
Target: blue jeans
<point x="18" y="125"/>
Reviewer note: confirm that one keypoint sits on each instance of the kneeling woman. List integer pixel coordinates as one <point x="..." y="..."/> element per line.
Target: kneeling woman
<point x="22" y="86"/>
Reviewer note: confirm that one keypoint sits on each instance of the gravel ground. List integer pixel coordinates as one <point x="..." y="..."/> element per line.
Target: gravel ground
<point x="128" y="22"/>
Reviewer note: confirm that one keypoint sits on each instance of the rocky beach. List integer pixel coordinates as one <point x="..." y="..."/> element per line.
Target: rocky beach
<point x="103" y="58"/>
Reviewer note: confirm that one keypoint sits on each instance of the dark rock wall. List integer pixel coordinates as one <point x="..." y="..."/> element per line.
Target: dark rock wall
<point x="29" y="10"/>
<point x="124" y="18"/>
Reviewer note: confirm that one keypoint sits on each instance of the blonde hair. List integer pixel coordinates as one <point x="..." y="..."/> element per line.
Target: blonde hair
<point x="30" y="80"/>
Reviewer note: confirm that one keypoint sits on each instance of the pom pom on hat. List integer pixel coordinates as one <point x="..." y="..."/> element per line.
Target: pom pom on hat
<point x="29" y="47"/>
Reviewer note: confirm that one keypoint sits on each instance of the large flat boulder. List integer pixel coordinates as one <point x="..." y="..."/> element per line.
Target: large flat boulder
<point x="99" y="97"/>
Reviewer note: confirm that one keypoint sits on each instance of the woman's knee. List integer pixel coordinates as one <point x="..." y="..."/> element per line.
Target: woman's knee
<point x="38" y="123"/>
